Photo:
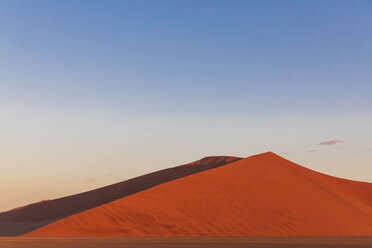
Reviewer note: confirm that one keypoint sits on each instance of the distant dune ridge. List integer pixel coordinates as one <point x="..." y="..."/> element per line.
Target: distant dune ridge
<point x="261" y="195"/>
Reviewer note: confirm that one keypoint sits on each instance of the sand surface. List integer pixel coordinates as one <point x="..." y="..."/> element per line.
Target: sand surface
<point x="210" y="242"/>
<point x="262" y="195"/>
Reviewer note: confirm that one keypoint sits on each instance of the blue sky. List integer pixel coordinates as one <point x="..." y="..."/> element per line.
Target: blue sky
<point x="93" y="89"/>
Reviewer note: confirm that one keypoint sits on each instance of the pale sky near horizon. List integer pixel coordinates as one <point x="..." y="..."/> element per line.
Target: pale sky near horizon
<point x="96" y="92"/>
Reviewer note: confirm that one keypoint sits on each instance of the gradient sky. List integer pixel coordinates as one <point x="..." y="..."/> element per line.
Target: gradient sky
<point x="95" y="92"/>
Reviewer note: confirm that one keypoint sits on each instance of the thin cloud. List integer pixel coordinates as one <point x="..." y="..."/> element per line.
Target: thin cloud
<point x="331" y="142"/>
<point x="92" y="180"/>
<point x="313" y="150"/>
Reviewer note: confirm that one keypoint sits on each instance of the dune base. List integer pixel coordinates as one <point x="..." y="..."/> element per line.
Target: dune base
<point x="206" y="242"/>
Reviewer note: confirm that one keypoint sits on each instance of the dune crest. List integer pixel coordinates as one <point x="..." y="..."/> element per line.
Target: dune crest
<point x="262" y="195"/>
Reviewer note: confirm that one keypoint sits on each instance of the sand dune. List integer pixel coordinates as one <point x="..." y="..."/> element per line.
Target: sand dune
<point x="24" y="219"/>
<point x="262" y="195"/>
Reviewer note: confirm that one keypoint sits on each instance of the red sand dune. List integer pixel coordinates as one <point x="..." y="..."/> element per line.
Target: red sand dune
<point x="262" y="195"/>
<point x="25" y="219"/>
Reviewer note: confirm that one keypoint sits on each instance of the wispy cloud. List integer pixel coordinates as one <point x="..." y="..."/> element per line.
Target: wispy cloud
<point x="331" y="142"/>
<point x="313" y="150"/>
<point x="91" y="180"/>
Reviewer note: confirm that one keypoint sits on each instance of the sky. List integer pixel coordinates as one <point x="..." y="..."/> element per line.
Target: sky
<point x="96" y="92"/>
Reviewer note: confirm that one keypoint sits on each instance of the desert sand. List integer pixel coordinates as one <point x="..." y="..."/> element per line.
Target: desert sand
<point x="262" y="195"/>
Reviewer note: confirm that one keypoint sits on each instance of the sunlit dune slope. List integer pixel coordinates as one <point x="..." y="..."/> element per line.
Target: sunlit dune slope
<point x="262" y="195"/>
<point x="24" y="219"/>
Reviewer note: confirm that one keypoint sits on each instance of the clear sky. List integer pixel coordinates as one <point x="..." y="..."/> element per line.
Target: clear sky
<point x="95" y="92"/>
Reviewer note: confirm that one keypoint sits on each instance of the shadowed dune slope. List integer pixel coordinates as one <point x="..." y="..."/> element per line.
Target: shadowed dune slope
<point x="262" y="195"/>
<point x="24" y="219"/>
